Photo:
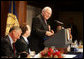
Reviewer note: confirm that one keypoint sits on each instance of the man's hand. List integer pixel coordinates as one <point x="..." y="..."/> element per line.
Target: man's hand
<point x="49" y="33"/>
<point x="52" y="31"/>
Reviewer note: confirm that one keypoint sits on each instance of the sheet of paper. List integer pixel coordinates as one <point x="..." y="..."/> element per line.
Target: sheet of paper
<point x="68" y="55"/>
<point x="80" y="50"/>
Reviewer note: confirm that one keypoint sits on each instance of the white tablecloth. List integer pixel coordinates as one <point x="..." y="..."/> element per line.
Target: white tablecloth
<point x="65" y="55"/>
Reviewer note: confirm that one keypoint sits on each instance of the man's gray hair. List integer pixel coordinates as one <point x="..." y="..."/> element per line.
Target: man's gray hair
<point x="14" y="28"/>
<point x="45" y="8"/>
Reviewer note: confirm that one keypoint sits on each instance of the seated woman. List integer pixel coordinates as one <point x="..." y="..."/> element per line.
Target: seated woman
<point x="22" y="44"/>
<point x="70" y="33"/>
<point x="69" y="27"/>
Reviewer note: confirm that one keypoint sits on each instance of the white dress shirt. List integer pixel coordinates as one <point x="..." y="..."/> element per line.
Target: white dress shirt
<point x="27" y="42"/>
<point x="26" y="39"/>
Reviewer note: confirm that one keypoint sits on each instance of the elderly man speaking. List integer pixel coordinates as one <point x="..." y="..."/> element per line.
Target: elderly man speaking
<point x="40" y="30"/>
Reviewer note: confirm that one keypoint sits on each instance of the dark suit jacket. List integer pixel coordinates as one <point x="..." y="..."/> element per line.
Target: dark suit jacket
<point x="21" y="45"/>
<point x="6" y="48"/>
<point x="39" y="28"/>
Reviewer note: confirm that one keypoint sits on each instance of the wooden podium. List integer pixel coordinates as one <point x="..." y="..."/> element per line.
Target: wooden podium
<point x="60" y="39"/>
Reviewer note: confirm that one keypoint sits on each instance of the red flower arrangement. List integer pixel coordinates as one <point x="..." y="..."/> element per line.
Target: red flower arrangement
<point x="51" y="53"/>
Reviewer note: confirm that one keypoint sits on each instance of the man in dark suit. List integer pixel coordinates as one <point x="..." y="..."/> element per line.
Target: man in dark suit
<point x="7" y="43"/>
<point x="22" y="45"/>
<point x="40" y="30"/>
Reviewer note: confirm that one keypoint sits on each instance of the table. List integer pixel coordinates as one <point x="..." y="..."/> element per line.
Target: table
<point x="68" y="55"/>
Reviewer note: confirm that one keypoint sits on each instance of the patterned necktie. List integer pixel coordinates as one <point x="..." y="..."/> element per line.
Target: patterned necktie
<point x="14" y="48"/>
